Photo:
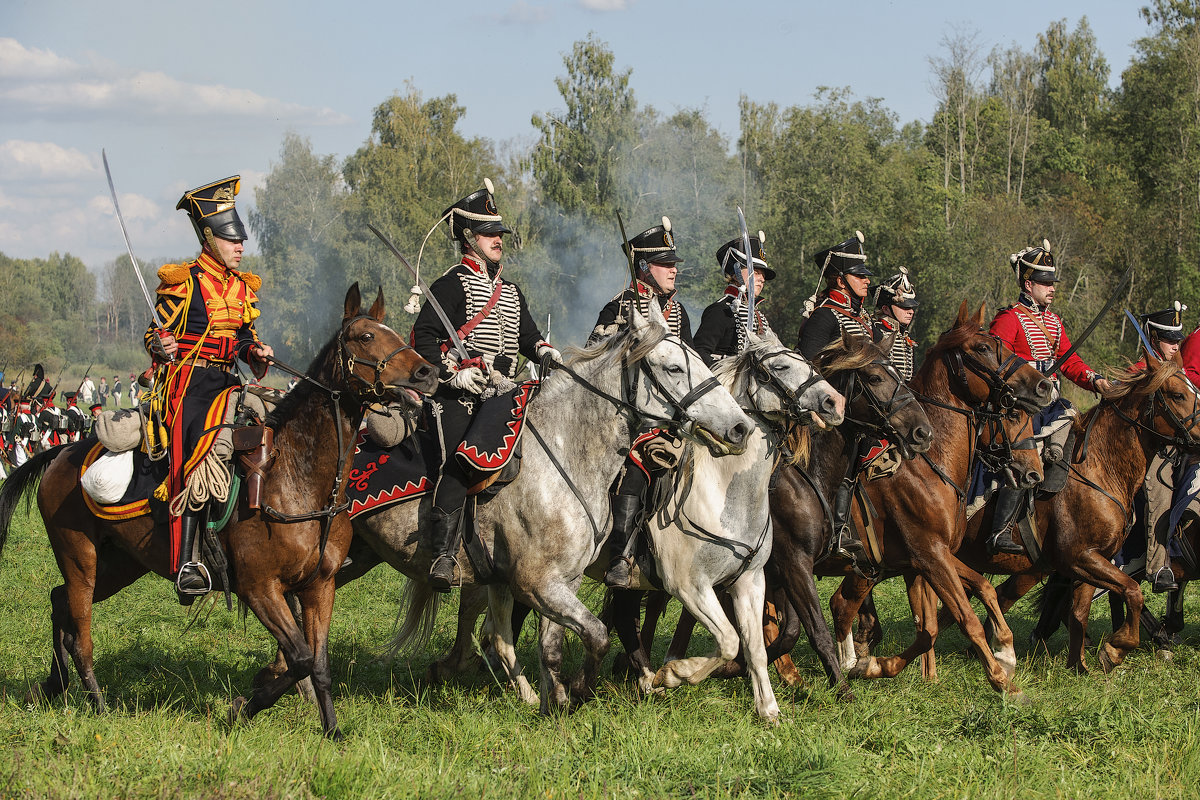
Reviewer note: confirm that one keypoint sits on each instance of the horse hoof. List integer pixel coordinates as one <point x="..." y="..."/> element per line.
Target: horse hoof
<point x="865" y="668"/>
<point x="1079" y="668"/>
<point x="844" y="693"/>
<point x="666" y="677"/>
<point x="237" y="710"/>
<point x="1162" y="654"/>
<point x="1018" y="698"/>
<point x="335" y="734"/>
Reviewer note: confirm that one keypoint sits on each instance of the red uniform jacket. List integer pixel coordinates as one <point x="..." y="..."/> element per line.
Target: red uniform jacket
<point x="1037" y="335"/>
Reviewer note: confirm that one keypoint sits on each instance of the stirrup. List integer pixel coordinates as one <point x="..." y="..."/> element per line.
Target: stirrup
<point x="200" y="570"/>
<point x="619" y="573"/>
<point x="1164" y="581"/>
<point x="442" y="582"/>
<point x="1003" y="542"/>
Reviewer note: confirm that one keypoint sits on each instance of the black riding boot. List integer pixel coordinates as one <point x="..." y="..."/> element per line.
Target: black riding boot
<point x="626" y="511"/>
<point x="444" y="541"/>
<point x="1009" y="502"/>
<point x="193" y="578"/>
<point x="845" y="544"/>
<point x="1164" y="580"/>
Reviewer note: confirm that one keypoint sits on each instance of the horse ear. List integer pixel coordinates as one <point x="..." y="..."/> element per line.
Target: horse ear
<point x="656" y="315"/>
<point x="377" y="311"/>
<point x="981" y="314"/>
<point x="1152" y="359"/>
<point x="885" y="344"/>
<point x="353" y="302"/>
<point x="962" y="314"/>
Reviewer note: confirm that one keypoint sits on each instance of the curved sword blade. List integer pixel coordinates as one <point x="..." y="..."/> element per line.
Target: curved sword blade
<point x="129" y="248"/>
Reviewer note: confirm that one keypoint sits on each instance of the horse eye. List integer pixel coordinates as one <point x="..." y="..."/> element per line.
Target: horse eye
<point x="674" y="369"/>
<point x="366" y="336"/>
<point x="875" y="380"/>
<point x="982" y="347"/>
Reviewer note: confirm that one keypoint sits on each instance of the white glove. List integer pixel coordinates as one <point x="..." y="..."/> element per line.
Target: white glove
<point x="469" y="379"/>
<point x="546" y="351"/>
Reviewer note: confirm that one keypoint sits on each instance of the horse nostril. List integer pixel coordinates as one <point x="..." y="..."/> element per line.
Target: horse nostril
<point x="738" y="433"/>
<point x="922" y="434"/>
<point x="1032" y="478"/>
<point x="1044" y="388"/>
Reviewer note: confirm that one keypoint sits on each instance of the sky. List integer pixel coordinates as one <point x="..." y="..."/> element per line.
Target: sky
<point x="182" y="94"/>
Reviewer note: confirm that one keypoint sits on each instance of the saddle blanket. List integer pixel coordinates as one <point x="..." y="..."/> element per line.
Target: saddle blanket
<point x="382" y="476"/>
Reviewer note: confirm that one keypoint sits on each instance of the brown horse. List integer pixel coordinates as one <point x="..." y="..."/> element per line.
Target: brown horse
<point x="1085" y="524"/>
<point x="977" y="395"/>
<point x="294" y="544"/>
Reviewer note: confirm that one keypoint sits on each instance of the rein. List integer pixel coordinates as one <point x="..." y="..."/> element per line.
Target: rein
<point x="345" y="361"/>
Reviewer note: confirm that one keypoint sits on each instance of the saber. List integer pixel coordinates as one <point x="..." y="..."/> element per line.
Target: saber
<point x="625" y="241"/>
<point x="158" y="323"/>
<point x="747" y="274"/>
<point x="1088" y="331"/>
<point x="433" y="303"/>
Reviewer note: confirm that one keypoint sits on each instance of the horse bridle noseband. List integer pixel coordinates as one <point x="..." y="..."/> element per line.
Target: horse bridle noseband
<point x="679" y="423"/>
<point x="346" y="361"/>
<point x="792" y="396"/>
<point x="884" y="410"/>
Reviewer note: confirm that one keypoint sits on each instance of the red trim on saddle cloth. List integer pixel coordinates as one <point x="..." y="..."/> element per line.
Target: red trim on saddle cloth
<point x="494" y="460"/>
<point x="360" y="479"/>
<point x="116" y="512"/>
<point x="875" y="452"/>
<point x="635" y="454"/>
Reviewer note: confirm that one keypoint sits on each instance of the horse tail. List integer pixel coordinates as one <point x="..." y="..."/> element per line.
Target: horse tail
<point x="419" y="606"/>
<point x="17" y="485"/>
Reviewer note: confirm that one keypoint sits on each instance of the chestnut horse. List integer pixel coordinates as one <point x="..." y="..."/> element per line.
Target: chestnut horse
<point x="1085" y="524"/>
<point x="294" y="544"/>
<point x="977" y="395"/>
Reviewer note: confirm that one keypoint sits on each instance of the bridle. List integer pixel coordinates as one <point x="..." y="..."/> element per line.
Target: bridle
<point x="344" y="370"/>
<point x="347" y="360"/>
<point x="1183" y="439"/>
<point x="764" y="379"/>
<point x="884" y="410"/>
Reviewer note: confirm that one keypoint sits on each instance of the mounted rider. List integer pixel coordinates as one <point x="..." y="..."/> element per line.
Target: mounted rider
<point x="493" y="321"/>
<point x="836" y="311"/>
<point x="1032" y="331"/>
<point x="208" y="309"/>
<point x="895" y="306"/>
<point x="1164" y="331"/>
<point x="722" y="329"/>
<point x="654" y="450"/>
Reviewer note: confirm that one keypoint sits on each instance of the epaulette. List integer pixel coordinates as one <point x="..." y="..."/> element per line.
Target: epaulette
<point x="174" y="274"/>
<point x="251" y="280"/>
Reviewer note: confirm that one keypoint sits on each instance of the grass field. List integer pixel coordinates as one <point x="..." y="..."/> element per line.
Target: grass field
<point x="1135" y="732"/>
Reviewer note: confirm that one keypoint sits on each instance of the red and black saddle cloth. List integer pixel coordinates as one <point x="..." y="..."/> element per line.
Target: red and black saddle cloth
<point x="495" y="432"/>
<point x="383" y="476"/>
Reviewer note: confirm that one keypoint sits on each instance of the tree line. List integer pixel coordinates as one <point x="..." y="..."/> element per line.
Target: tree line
<point x="1027" y="141"/>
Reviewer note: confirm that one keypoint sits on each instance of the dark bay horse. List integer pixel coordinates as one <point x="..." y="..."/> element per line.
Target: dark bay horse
<point x="977" y="396"/>
<point x="295" y="544"/>
<point x="1085" y="524"/>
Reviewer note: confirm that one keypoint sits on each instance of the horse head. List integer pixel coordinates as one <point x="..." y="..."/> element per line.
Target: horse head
<point x="1170" y="401"/>
<point x="781" y="384"/>
<point x="375" y="363"/>
<point x="877" y="398"/>
<point x="1000" y="388"/>
<point x="679" y="388"/>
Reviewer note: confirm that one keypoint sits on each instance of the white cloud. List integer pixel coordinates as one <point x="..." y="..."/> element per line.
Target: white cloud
<point x="604" y="5"/>
<point x="133" y="206"/>
<point x="43" y="160"/>
<point x="39" y="82"/>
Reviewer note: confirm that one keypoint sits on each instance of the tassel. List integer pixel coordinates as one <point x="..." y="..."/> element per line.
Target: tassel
<point x="162" y="493"/>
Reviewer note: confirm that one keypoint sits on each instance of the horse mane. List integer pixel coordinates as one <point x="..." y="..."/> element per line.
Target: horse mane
<point x="293" y="400"/>
<point x="618" y="346"/>
<point x="953" y="339"/>
<point x="1143" y="380"/>
<point x="840" y="357"/>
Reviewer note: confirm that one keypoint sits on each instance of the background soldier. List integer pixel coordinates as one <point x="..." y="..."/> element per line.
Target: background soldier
<point x="208" y="308"/>
<point x="73" y="415"/>
<point x="895" y="306"/>
<point x="656" y="264"/>
<point x="493" y="322"/>
<point x="722" y="330"/>
<point x="840" y="306"/>
<point x="1031" y="330"/>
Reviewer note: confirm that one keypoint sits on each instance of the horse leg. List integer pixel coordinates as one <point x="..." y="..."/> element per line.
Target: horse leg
<point x="844" y="605"/>
<point x="656" y="606"/>
<point x="801" y="589"/>
<point x="316" y="603"/>
<point x="272" y="610"/>
<point x="625" y="605"/>
<point x="1077" y="620"/>
<point x="72" y="626"/>
<point x="503" y="638"/>
<point x="923" y="602"/>
<point x="705" y="606"/>
<point x="997" y="631"/>
<point x="919" y="601"/>
<point x="682" y="637"/>
<point x="870" y="632"/>
<point x="559" y="602"/>
<point x="781" y="640"/>
<point x="749" y="593"/>
<point x="1093" y="569"/>
<point x="552" y="688"/>
<point x="463" y="654"/>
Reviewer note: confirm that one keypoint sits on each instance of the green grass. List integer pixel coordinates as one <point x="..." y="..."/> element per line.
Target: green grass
<point x="1134" y="732"/>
